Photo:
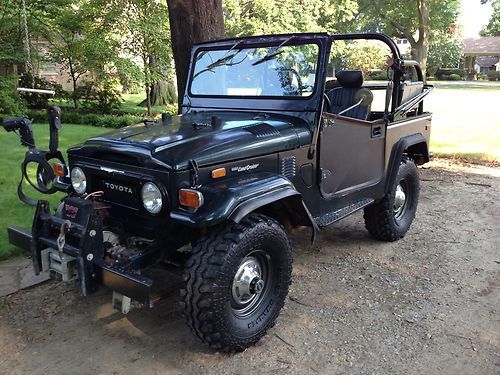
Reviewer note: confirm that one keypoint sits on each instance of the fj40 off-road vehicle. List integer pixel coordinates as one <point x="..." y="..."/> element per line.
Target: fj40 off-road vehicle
<point x="266" y="143"/>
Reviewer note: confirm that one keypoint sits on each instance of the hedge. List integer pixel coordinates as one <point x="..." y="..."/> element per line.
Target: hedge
<point x="92" y="119"/>
<point x="445" y="74"/>
<point x="493" y="75"/>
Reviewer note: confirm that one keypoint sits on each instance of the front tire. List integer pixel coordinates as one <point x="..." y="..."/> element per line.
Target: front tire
<point x="391" y="217"/>
<point x="236" y="282"/>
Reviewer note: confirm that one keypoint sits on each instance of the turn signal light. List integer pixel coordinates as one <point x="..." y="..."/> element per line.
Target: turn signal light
<point x="219" y="172"/>
<point x="190" y="198"/>
<point x="59" y="169"/>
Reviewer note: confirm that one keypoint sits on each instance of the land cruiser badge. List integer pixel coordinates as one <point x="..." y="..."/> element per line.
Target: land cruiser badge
<point x="245" y="168"/>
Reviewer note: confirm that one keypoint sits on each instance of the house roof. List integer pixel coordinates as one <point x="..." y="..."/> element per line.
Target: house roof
<point x="486" y="61"/>
<point x="482" y="46"/>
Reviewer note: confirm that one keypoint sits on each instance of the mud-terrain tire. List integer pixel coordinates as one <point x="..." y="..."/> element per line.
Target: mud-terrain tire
<point x="236" y="282"/>
<point x="390" y="218"/>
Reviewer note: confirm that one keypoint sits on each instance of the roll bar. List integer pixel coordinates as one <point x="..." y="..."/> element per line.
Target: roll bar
<point x="371" y="36"/>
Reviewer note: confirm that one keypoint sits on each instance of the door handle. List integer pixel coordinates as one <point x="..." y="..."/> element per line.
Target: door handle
<point x="376" y="131"/>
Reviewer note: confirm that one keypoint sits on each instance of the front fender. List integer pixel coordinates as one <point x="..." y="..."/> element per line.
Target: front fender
<point x="234" y="198"/>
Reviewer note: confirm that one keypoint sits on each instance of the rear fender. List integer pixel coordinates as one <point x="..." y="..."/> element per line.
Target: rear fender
<point x="415" y="147"/>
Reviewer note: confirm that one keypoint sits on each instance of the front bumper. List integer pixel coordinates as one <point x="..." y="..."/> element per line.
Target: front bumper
<point x="84" y="242"/>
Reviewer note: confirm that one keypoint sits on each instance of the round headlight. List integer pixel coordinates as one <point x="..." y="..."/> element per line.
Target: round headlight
<point x="78" y="180"/>
<point x="151" y="198"/>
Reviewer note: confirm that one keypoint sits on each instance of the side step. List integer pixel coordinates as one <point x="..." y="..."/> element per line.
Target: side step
<point x="332" y="217"/>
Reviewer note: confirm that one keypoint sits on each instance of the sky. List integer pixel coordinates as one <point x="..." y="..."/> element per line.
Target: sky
<point x="474" y="16"/>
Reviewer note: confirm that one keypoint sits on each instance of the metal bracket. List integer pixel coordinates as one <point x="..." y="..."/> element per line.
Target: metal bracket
<point x="121" y="302"/>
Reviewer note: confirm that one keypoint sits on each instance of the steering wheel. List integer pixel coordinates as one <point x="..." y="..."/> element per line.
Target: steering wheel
<point x="327" y="101"/>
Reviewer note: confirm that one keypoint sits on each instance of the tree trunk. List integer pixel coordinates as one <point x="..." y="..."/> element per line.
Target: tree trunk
<point x="148" y="100"/>
<point x="192" y="21"/>
<point x="73" y="79"/>
<point x="161" y="93"/>
<point x="419" y="53"/>
<point x="422" y="47"/>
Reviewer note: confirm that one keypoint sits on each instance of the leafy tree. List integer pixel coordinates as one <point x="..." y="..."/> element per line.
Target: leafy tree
<point x="252" y="17"/>
<point x="141" y="31"/>
<point x="130" y="75"/>
<point x="11" y="38"/>
<point x="364" y="55"/>
<point x="445" y="51"/>
<point x="68" y="45"/>
<point x="416" y="21"/>
<point x="493" y="26"/>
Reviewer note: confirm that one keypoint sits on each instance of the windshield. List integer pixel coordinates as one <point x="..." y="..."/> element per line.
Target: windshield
<point x="274" y="71"/>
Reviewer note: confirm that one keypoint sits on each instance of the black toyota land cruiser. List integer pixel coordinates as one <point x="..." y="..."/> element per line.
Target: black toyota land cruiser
<point x="275" y="133"/>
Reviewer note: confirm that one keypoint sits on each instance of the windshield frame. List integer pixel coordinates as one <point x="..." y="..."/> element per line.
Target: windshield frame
<point x="252" y="45"/>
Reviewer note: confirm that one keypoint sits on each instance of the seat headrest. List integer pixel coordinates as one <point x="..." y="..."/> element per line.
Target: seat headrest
<point x="331" y="84"/>
<point x="350" y="78"/>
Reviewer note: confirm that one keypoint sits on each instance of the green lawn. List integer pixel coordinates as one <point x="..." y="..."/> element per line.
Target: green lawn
<point x="466" y="123"/>
<point x="131" y="105"/>
<point x="12" y="211"/>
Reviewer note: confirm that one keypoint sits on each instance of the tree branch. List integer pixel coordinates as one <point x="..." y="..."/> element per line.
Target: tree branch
<point x="405" y="32"/>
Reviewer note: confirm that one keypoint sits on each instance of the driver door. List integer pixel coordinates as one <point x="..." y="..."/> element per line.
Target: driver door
<point x="351" y="154"/>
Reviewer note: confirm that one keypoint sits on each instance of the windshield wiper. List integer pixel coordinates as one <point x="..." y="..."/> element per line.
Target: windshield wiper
<point x="224" y="60"/>
<point x="272" y="55"/>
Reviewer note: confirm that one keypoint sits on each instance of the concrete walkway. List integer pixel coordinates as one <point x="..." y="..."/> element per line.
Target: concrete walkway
<point x="17" y="273"/>
<point x="466" y="84"/>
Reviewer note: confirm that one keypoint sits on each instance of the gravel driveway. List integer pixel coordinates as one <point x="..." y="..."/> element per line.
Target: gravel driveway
<point x="429" y="303"/>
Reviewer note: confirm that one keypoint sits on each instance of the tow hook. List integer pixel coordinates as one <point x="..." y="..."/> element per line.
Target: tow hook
<point x="61" y="240"/>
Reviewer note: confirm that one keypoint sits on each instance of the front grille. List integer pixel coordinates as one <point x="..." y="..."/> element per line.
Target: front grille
<point x="123" y="190"/>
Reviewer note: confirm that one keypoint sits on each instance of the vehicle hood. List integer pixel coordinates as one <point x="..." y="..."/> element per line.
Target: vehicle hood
<point x="206" y="137"/>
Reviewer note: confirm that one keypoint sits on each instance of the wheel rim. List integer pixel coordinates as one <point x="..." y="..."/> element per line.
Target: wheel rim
<point x="400" y="199"/>
<point x="251" y="283"/>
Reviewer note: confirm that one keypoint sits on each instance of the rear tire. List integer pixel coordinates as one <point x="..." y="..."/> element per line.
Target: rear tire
<point x="391" y="217"/>
<point x="236" y="281"/>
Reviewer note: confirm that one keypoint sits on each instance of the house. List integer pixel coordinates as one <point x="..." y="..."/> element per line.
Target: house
<point x="481" y="48"/>
<point x="403" y="45"/>
<point x="487" y="63"/>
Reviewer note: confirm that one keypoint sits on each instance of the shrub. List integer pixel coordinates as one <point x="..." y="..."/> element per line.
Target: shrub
<point x="378" y="75"/>
<point x="482" y="76"/>
<point x="493" y="75"/>
<point x="70" y="117"/>
<point x="101" y="96"/>
<point x="445" y="73"/>
<point x="450" y="77"/>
